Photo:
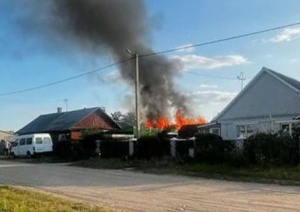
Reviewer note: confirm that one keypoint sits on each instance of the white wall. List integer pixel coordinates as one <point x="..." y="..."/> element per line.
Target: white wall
<point x="265" y="102"/>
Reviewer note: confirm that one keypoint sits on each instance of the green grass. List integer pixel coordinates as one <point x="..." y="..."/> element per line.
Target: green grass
<point x="21" y="200"/>
<point x="289" y="175"/>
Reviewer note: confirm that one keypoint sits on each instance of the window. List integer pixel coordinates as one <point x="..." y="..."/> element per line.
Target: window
<point x="28" y="141"/>
<point x="250" y="130"/>
<point x="38" y="140"/>
<point x="215" y="131"/>
<point x="62" y="137"/>
<point x="285" y="127"/>
<point x="15" y="143"/>
<point x="22" y="141"/>
<point x="245" y="130"/>
<point x="47" y="140"/>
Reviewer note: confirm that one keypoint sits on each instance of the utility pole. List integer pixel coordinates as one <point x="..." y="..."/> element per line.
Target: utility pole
<point x="137" y="93"/>
<point x="242" y="79"/>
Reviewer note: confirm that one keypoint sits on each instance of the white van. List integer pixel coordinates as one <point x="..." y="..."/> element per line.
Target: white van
<point x="31" y="144"/>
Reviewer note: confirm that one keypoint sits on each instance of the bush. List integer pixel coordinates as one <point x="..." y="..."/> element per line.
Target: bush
<point x="114" y="149"/>
<point x="68" y="150"/>
<point x="277" y="149"/>
<point x="209" y="148"/>
<point x="149" y="146"/>
<point x="88" y="146"/>
<point x="183" y="147"/>
<point x="236" y="158"/>
<point x="288" y="150"/>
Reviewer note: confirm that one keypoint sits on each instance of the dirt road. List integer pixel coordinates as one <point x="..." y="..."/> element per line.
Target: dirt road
<point x="132" y="191"/>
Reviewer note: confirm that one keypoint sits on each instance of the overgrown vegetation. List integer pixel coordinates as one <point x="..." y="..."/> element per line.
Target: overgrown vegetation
<point x="167" y="165"/>
<point x="20" y="200"/>
<point x="276" y="149"/>
<point x="264" y="156"/>
<point x="149" y="146"/>
<point x="259" y="149"/>
<point x="209" y="148"/>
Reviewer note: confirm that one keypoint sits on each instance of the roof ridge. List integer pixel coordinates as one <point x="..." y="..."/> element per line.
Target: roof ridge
<point x="291" y="82"/>
<point x="264" y="69"/>
<point x="71" y="111"/>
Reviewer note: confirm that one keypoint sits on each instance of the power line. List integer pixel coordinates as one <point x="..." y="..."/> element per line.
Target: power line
<point x="210" y="76"/>
<point x="153" y="54"/>
<point x="220" y="40"/>
<point x="64" y="80"/>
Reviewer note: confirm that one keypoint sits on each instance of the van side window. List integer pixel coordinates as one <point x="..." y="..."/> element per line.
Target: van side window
<point x="47" y="140"/>
<point x="22" y="141"/>
<point x="38" y="140"/>
<point x="28" y="141"/>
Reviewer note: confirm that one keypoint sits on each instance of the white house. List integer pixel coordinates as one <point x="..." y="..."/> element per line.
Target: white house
<point x="270" y="102"/>
<point x="7" y="136"/>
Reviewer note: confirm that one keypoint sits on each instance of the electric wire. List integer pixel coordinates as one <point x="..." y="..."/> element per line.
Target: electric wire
<point x="210" y="76"/>
<point x="154" y="54"/>
<point x="220" y="40"/>
<point x="64" y="80"/>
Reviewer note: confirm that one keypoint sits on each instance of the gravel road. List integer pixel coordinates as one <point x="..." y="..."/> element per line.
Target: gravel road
<point x="131" y="191"/>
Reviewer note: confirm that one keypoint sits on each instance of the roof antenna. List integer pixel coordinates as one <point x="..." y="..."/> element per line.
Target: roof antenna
<point x="242" y="79"/>
<point x="66" y="102"/>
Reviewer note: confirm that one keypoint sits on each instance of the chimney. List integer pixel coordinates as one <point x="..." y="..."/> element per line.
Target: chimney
<point x="59" y="110"/>
<point x="103" y="109"/>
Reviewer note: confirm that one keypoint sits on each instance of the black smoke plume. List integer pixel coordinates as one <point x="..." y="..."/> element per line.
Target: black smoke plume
<point x="114" y="26"/>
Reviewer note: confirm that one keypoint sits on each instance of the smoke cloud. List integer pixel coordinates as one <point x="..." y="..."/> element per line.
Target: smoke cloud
<point x="114" y="26"/>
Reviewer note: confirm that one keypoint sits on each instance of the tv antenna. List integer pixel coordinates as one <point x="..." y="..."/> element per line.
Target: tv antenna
<point x="241" y="78"/>
<point x="66" y="102"/>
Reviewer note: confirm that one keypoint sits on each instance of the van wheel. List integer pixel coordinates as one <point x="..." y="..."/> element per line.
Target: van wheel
<point x="29" y="154"/>
<point x="12" y="155"/>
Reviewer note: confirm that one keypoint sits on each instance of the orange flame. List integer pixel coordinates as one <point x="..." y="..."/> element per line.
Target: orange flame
<point x="163" y="122"/>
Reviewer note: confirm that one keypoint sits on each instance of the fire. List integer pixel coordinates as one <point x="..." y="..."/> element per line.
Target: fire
<point x="163" y="122"/>
<point x="160" y="123"/>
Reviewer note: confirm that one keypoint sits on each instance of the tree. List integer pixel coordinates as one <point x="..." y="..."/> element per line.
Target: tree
<point x="128" y="117"/>
<point x="117" y="116"/>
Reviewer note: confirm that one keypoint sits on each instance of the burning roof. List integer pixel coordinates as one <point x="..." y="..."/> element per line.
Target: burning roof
<point x="180" y="120"/>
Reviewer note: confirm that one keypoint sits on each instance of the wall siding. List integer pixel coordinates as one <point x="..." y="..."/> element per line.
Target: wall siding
<point x="266" y="97"/>
<point x="264" y="103"/>
<point x="93" y="121"/>
<point x="6" y="136"/>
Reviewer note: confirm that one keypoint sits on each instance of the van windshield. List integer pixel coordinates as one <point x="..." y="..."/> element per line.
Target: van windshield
<point x="47" y="140"/>
<point x="38" y="140"/>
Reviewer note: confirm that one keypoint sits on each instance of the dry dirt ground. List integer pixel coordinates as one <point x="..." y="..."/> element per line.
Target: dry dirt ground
<point x="131" y="191"/>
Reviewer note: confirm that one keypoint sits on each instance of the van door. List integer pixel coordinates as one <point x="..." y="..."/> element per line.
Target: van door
<point x="38" y="144"/>
<point x="16" y="147"/>
<point x="48" y="147"/>
<point x="29" y="146"/>
<point x="22" y="146"/>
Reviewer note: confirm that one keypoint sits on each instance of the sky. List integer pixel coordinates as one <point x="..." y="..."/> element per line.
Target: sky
<point x="208" y="75"/>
